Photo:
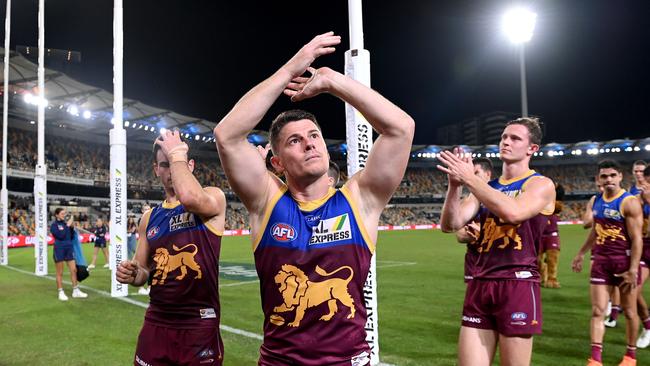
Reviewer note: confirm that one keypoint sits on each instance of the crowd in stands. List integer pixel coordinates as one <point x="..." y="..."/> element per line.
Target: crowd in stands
<point x="91" y="161"/>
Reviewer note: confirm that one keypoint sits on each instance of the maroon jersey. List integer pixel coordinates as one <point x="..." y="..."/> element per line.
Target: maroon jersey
<point x="185" y="281"/>
<point x="509" y="251"/>
<point x="313" y="260"/>
<point x="612" y="240"/>
<point x="550" y="229"/>
<point x="472" y="253"/>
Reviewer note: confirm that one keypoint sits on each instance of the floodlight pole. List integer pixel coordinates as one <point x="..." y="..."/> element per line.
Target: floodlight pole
<point x="117" y="137"/>
<point x="40" y="176"/>
<point x="359" y="141"/>
<point x="4" y="194"/>
<point x="522" y="69"/>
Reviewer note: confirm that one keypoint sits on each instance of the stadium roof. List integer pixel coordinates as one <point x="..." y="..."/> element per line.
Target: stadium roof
<point x="82" y="107"/>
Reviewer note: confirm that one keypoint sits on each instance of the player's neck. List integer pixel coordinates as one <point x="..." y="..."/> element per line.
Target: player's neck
<point x="308" y="191"/>
<point x="609" y="195"/>
<point x="514" y="169"/>
<point x="170" y="196"/>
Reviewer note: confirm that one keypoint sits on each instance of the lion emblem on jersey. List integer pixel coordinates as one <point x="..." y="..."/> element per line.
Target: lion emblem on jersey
<point x="494" y="231"/>
<point x="166" y="263"/>
<point x="299" y="293"/>
<point x="607" y="233"/>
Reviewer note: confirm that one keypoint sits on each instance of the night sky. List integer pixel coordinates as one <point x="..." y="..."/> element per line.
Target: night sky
<point x="442" y="61"/>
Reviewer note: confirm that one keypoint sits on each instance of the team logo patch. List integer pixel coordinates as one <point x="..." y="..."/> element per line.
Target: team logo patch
<point x="330" y="230"/>
<point x="518" y="316"/>
<point x="283" y="232"/>
<point x="182" y="221"/>
<point x="153" y="232"/>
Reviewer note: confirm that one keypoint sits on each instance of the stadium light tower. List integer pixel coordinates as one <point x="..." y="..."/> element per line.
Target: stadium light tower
<point x="518" y="25"/>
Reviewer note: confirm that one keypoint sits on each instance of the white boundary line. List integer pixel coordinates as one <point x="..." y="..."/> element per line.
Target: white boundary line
<point x="141" y="304"/>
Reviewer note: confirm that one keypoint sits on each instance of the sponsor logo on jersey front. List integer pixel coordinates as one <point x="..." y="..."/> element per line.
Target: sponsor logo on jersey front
<point x="331" y="230"/>
<point x="182" y="221"/>
<point x="283" y="232"/>
<point x="612" y="214"/>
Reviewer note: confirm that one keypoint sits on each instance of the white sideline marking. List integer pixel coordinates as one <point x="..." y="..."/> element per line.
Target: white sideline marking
<point x="238" y="283"/>
<point x="141" y="304"/>
<point x="393" y="264"/>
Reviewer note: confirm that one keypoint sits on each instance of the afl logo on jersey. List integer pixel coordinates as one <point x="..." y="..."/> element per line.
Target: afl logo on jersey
<point x="152" y="232"/>
<point x="283" y="232"/>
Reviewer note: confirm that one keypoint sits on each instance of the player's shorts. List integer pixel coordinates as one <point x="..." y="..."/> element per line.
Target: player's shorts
<point x="63" y="253"/>
<point x="645" y="254"/>
<point x="164" y="346"/>
<point x="603" y="271"/>
<point x="510" y="307"/>
<point x="100" y="244"/>
<point x="550" y="242"/>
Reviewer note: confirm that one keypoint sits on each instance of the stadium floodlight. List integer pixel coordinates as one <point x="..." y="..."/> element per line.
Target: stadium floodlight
<point x="578" y="152"/>
<point x="601" y="151"/>
<point x="27" y="98"/>
<point x="146" y="128"/>
<point x="74" y="110"/>
<point x="162" y="130"/>
<point x="87" y="114"/>
<point x="636" y="148"/>
<point x="647" y="147"/>
<point x="32" y="122"/>
<point x="197" y="137"/>
<point x="126" y="123"/>
<point x="518" y="25"/>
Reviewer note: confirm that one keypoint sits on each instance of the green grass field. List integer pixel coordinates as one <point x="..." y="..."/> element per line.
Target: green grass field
<point x="420" y="299"/>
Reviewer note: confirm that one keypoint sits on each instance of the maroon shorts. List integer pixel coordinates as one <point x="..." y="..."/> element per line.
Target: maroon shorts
<point x="550" y="242"/>
<point x="603" y="271"/>
<point x="510" y="307"/>
<point x="162" y="346"/>
<point x="645" y="254"/>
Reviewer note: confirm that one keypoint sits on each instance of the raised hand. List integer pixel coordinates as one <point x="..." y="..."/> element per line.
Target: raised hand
<point x="171" y="145"/>
<point x="321" y="45"/>
<point x="301" y="88"/>
<point x="457" y="164"/>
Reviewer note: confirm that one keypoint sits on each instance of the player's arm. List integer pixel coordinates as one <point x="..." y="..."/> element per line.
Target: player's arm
<point x="634" y="223"/>
<point x="588" y="215"/>
<point x="246" y="172"/>
<point x="207" y="202"/>
<point x="390" y="152"/>
<point x="136" y="271"/>
<point x="576" y="264"/>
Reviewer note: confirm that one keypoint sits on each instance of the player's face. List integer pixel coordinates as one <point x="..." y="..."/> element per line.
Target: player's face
<point x="610" y="179"/>
<point x="162" y="170"/>
<point x="302" y="151"/>
<point x="479" y="172"/>
<point x="515" y="144"/>
<point x="637" y="170"/>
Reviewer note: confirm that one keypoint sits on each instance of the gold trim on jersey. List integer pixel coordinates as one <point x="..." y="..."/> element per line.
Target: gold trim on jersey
<point x="168" y="205"/>
<point x="357" y="215"/>
<point x="623" y="205"/>
<point x="267" y="215"/>
<point x="510" y="181"/>
<point x="617" y="195"/>
<point x="312" y="205"/>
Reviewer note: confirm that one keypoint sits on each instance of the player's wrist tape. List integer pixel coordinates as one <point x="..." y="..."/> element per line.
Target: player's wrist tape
<point x="179" y="153"/>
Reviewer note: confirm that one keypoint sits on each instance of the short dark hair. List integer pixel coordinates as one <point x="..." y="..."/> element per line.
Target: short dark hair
<point x="640" y="162"/>
<point x="285" y="118"/>
<point x="533" y="125"/>
<point x="609" y="164"/>
<point x="58" y="210"/>
<point x="335" y="172"/>
<point x="646" y="171"/>
<point x="485" y="163"/>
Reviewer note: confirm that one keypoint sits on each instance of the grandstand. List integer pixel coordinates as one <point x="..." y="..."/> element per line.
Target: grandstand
<point x="82" y="173"/>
